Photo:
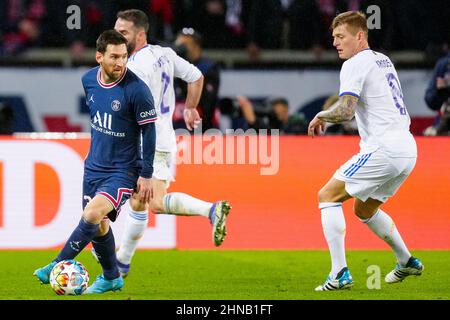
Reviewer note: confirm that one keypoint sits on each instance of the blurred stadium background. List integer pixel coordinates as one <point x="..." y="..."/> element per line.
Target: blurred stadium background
<point x="260" y="49"/>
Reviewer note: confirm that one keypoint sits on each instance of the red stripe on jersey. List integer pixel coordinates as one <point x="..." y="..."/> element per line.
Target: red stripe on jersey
<point x="147" y="121"/>
<point x="119" y="199"/>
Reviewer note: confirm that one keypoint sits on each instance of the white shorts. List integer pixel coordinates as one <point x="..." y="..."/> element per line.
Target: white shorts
<point x="163" y="167"/>
<point x="374" y="175"/>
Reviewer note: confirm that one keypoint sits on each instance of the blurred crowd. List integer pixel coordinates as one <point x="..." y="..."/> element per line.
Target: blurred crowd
<point x="437" y="98"/>
<point x="247" y="24"/>
<point x="189" y="26"/>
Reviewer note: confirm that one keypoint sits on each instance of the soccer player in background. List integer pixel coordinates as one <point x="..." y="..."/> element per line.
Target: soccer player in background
<point x="121" y="109"/>
<point x="157" y="67"/>
<point x="370" y="91"/>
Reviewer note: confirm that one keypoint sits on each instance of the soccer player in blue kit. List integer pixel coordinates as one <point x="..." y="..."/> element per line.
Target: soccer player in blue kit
<point x="121" y="109"/>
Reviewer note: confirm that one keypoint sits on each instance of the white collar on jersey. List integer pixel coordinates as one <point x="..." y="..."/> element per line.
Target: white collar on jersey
<point x="112" y="84"/>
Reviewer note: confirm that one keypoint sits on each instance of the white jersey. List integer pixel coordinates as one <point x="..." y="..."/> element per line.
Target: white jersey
<point x="157" y="66"/>
<point x="381" y="115"/>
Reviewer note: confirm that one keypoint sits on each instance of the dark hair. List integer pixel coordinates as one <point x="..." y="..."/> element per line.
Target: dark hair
<point x="138" y="17"/>
<point x="109" y="37"/>
<point x="193" y="34"/>
<point x="279" y="100"/>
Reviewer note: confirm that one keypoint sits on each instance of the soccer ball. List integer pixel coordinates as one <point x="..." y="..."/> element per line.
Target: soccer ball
<point x="69" y="277"/>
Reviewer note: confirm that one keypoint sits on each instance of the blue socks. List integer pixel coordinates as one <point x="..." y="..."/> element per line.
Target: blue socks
<point x="80" y="237"/>
<point x="105" y="248"/>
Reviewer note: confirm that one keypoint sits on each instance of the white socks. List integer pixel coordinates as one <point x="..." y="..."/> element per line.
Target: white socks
<point x="136" y="223"/>
<point x="134" y="229"/>
<point x="183" y="204"/>
<point x="383" y="226"/>
<point x="333" y="223"/>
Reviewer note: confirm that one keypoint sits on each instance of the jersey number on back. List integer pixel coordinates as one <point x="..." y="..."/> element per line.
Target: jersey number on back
<point x="166" y="81"/>
<point x="396" y="91"/>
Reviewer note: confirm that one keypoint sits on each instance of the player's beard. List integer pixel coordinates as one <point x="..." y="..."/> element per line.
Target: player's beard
<point x="131" y="46"/>
<point x="111" y="75"/>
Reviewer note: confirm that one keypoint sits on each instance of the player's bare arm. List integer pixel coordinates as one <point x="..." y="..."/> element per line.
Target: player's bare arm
<point x="194" y="92"/>
<point x="343" y="111"/>
<point x="191" y="116"/>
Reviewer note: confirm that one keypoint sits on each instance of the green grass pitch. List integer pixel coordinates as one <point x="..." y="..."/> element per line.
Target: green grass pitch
<point x="234" y="275"/>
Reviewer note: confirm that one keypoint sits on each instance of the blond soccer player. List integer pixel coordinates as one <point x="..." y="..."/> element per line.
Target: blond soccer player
<point x="370" y="91"/>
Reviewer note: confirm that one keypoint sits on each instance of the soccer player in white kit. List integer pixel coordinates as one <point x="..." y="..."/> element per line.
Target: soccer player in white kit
<point x="157" y="67"/>
<point x="370" y="91"/>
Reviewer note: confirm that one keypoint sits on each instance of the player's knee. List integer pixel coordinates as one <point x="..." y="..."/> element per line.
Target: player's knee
<point x="92" y="215"/>
<point x="333" y="193"/>
<point x="321" y="195"/>
<point x="324" y="195"/>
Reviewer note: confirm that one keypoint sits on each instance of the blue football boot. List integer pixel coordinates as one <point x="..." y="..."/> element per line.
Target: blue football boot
<point x="413" y="267"/>
<point x="43" y="274"/>
<point x="102" y="285"/>
<point x="343" y="280"/>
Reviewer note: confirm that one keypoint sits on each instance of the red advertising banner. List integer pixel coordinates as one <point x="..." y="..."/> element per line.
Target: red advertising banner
<point x="272" y="184"/>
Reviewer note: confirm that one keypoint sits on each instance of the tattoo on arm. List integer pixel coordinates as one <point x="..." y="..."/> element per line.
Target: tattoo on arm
<point x="344" y="110"/>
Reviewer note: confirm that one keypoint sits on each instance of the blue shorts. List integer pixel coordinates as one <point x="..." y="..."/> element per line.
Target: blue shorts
<point x="116" y="187"/>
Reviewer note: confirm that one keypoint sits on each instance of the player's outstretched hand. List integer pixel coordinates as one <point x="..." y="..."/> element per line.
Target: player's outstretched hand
<point x="316" y="126"/>
<point x="191" y="118"/>
<point x="144" y="189"/>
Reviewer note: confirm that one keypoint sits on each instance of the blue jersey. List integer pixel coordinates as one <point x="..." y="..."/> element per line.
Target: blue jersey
<point x="117" y="111"/>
